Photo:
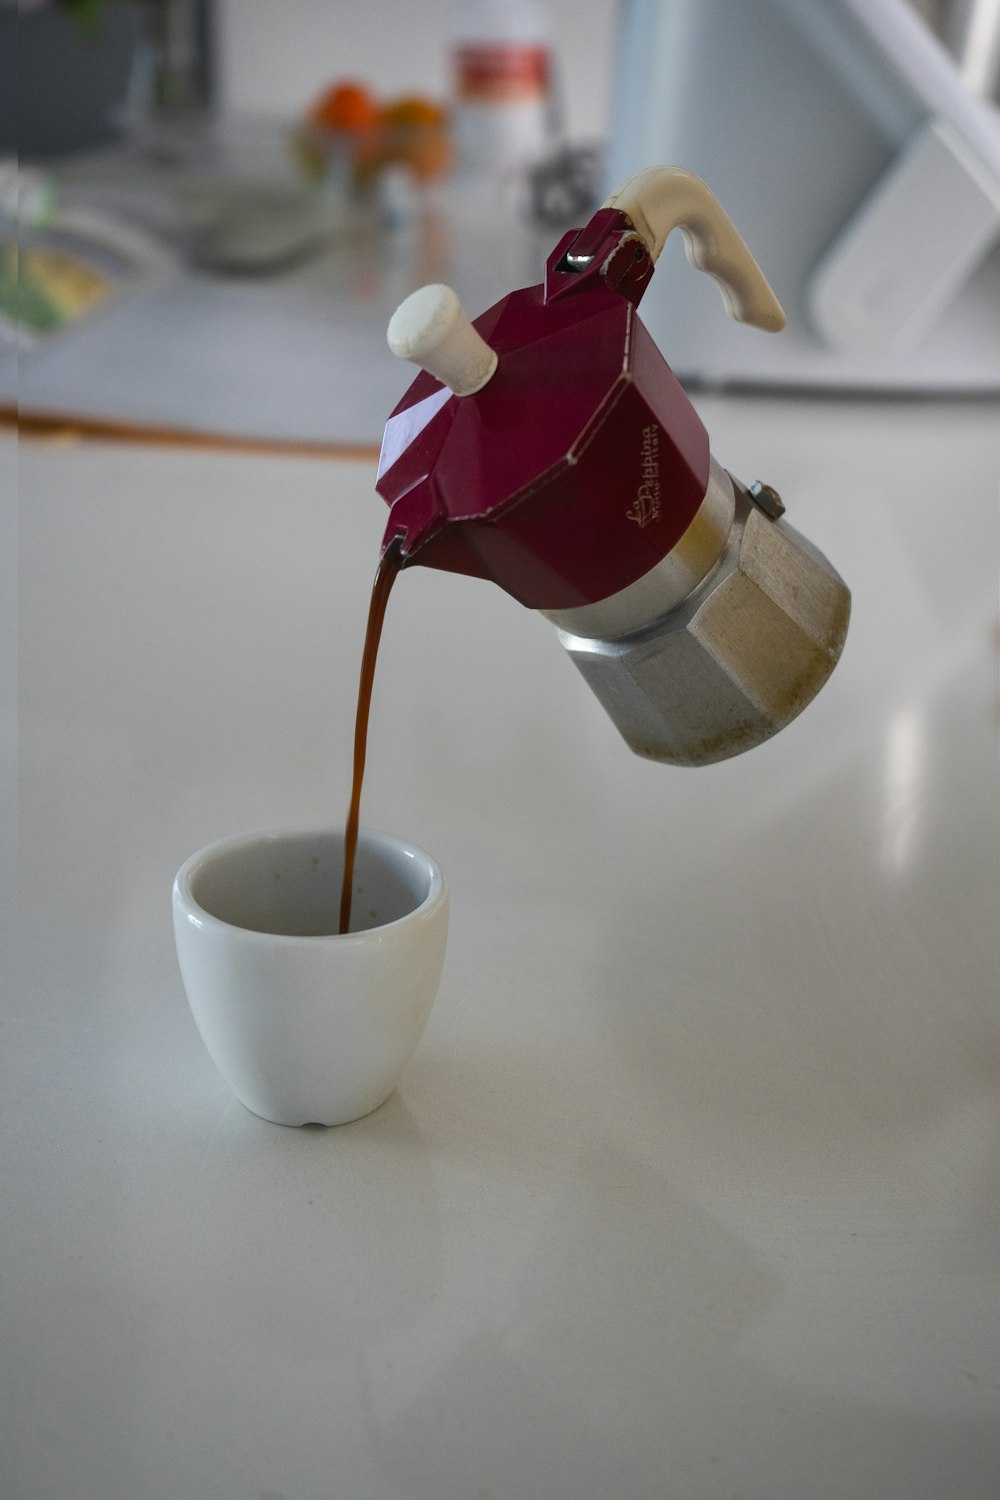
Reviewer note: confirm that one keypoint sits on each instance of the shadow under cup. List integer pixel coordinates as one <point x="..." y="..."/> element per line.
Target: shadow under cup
<point x="305" y="1024"/>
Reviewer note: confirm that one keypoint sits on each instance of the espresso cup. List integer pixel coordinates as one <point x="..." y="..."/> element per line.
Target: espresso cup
<point x="306" y="1025"/>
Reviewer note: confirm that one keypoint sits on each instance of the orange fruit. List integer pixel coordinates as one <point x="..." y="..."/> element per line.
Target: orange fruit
<point x="417" y="136"/>
<point x="349" y="106"/>
<point x="413" y="110"/>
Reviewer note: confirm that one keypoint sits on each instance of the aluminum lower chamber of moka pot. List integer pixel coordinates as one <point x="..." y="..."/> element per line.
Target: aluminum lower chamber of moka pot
<point x="724" y="641"/>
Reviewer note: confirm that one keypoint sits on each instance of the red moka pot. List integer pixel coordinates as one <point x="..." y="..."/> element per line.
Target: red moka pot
<point x="548" y="446"/>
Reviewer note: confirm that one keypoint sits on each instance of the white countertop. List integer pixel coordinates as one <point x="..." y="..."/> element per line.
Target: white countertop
<point x="693" y="1187"/>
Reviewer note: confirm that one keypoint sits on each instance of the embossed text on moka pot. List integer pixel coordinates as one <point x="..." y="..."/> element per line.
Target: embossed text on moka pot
<point x="645" y="508"/>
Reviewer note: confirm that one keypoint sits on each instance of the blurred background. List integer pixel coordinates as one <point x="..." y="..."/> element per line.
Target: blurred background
<point x="220" y="202"/>
<point x="204" y="177"/>
<point x="693" y="1187"/>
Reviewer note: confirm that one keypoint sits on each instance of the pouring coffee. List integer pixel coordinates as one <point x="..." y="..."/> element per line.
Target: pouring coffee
<point x="547" y="446"/>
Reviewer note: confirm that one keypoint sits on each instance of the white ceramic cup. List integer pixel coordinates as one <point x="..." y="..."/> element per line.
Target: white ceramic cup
<point x="307" y="1026"/>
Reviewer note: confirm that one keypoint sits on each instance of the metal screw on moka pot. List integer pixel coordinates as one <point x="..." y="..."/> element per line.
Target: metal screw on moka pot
<point x="549" y="447"/>
<point x="767" y="499"/>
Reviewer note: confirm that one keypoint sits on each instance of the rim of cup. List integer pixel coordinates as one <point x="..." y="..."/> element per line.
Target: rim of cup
<point x="437" y="885"/>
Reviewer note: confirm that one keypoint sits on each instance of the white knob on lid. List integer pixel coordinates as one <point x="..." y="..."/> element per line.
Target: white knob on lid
<point x="431" y="329"/>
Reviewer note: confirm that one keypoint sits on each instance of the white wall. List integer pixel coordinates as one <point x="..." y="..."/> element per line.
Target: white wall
<point x="275" y="55"/>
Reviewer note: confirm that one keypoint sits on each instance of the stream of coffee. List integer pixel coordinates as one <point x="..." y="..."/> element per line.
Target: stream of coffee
<point x="390" y="564"/>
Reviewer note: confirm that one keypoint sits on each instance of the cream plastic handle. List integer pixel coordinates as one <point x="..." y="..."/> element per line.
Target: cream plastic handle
<point x="431" y="329"/>
<point x="661" y="199"/>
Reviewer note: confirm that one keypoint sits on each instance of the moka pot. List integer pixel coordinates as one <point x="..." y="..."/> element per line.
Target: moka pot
<point x="548" y="446"/>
